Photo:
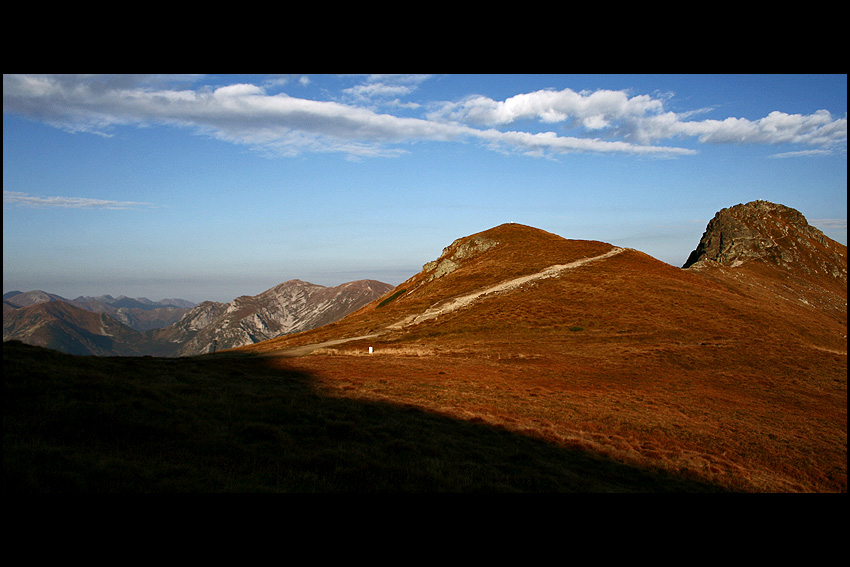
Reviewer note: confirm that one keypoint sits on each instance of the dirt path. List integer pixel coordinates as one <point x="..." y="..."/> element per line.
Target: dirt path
<point x="307" y="349"/>
<point x="464" y="300"/>
<point x="450" y="304"/>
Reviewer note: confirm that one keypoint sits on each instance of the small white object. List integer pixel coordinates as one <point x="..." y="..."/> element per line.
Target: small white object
<point x="370" y="350"/>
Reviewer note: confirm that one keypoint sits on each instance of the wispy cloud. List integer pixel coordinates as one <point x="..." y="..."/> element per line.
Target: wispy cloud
<point x="603" y="121"/>
<point x="25" y="199"/>
<point x="802" y="153"/>
<point x="829" y="224"/>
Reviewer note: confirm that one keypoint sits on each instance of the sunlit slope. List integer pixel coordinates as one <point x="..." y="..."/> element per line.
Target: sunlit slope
<point x="468" y="265"/>
<point x="708" y="371"/>
<point x="732" y="374"/>
<point x="521" y="286"/>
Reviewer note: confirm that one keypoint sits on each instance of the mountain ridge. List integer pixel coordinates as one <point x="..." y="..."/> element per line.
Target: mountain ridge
<point x="733" y="374"/>
<point x="145" y="328"/>
<point x="288" y="307"/>
<point x="473" y="264"/>
<point x="141" y="314"/>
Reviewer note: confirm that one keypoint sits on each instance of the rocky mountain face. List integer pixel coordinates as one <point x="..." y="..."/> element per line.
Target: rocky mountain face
<point x="766" y="248"/>
<point x="454" y="254"/>
<point x="125" y="326"/>
<point x="289" y="307"/>
<point x="772" y="234"/>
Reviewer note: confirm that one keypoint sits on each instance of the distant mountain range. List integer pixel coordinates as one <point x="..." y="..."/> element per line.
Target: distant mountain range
<point x="124" y="326"/>
<point x="289" y="307"/>
<point x="140" y="313"/>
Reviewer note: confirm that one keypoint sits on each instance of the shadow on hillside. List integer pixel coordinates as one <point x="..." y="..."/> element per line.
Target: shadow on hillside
<point x="235" y="424"/>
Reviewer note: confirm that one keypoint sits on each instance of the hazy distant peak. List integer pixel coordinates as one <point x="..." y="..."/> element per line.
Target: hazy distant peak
<point x="24" y="299"/>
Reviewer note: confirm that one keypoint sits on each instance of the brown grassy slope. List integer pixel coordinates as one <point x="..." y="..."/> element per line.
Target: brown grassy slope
<point x="521" y="250"/>
<point x="621" y="375"/>
<point x="629" y="357"/>
<point x="237" y="424"/>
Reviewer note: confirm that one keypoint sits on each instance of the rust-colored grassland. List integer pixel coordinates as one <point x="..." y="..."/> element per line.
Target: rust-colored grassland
<point x="620" y="374"/>
<point x="714" y="376"/>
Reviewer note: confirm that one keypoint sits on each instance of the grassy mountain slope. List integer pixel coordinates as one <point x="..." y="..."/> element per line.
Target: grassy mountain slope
<point x="231" y="424"/>
<point x="490" y="371"/>
<point x="627" y="356"/>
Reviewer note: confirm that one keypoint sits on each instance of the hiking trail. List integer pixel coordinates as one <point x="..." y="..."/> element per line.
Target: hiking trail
<point x="452" y="304"/>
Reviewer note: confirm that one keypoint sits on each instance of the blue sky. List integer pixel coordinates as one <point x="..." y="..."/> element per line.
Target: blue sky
<point x="214" y="186"/>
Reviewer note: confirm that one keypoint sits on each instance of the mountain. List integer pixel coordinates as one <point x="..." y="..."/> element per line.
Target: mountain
<point x="770" y="254"/>
<point x="64" y="327"/>
<point x="515" y="361"/>
<point x="140" y="314"/>
<point x="83" y="325"/>
<point x="733" y="368"/>
<point x="289" y="307"/>
<point x="770" y="251"/>
<point x="18" y="299"/>
<point x="132" y="302"/>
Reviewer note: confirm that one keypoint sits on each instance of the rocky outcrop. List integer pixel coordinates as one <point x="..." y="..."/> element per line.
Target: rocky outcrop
<point x="769" y="250"/>
<point x="454" y="254"/>
<point x="772" y="234"/>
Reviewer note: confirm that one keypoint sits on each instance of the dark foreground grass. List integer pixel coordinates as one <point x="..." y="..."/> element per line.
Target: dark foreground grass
<point x="228" y="424"/>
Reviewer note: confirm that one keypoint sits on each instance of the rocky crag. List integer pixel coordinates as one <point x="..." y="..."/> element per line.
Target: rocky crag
<point x="769" y="233"/>
<point x="764" y="247"/>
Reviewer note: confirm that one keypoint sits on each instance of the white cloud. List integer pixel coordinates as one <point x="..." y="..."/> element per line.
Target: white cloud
<point x="593" y="110"/>
<point x="601" y="121"/>
<point x="378" y="90"/>
<point x="539" y="143"/>
<point x="802" y="153"/>
<point x="642" y="119"/>
<point x="239" y="90"/>
<point x="26" y="199"/>
<point x="818" y="129"/>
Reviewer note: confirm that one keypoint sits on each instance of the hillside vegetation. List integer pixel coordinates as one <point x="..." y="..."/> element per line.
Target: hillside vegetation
<point x="516" y="361"/>
<point x="236" y="424"/>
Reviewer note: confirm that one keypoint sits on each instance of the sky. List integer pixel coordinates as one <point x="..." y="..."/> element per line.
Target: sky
<point x="209" y="187"/>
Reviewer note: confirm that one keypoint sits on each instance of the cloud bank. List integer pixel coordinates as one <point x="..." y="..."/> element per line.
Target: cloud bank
<point x="28" y="200"/>
<point x="603" y="121"/>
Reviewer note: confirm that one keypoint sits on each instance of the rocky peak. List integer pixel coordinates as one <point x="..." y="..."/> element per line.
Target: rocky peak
<point x="769" y="233"/>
